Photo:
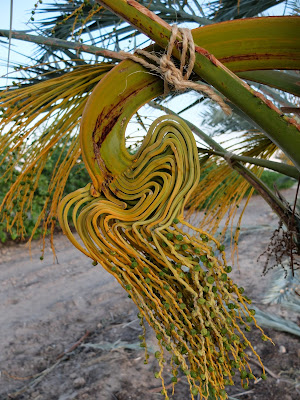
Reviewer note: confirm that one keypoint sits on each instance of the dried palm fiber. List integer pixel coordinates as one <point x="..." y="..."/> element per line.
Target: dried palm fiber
<point x="132" y="224"/>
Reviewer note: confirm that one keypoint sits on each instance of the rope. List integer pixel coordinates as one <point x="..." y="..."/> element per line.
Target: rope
<point x="173" y="76"/>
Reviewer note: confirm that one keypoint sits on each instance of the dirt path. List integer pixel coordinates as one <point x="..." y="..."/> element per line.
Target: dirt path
<point x="46" y="308"/>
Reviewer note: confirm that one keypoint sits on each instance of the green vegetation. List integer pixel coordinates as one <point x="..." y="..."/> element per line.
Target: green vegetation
<point x="280" y="181"/>
<point x="77" y="178"/>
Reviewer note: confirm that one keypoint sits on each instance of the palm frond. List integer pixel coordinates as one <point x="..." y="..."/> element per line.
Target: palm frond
<point x="231" y="9"/>
<point x="37" y="120"/>
<point x="293" y="7"/>
<point x="273" y="321"/>
<point x="284" y="287"/>
<point x="215" y="118"/>
<point x="88" y="21"/>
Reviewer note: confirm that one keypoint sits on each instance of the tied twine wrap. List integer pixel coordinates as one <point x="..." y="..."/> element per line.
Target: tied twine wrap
<point x="173" y="76"/>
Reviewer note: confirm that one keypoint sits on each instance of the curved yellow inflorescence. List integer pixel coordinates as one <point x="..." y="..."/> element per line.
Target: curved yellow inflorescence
<point x="176" y="274"/>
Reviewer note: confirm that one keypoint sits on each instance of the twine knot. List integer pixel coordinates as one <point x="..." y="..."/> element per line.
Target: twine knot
<point x="177" y="78"/>
<point x="172" y="75"/>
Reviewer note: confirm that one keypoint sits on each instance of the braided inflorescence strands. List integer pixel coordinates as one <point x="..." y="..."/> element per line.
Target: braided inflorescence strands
<point x="175" y="273"/>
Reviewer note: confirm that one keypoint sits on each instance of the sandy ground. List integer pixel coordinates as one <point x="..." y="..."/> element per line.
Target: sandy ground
<point x="69" y="331"/>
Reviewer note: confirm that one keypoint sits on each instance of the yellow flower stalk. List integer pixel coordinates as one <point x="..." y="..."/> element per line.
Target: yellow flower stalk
<point x="130" y="220"/>
<point x="54" y="107"/>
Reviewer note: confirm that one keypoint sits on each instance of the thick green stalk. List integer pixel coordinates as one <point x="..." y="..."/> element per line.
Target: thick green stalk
<point x="280" y="129"/>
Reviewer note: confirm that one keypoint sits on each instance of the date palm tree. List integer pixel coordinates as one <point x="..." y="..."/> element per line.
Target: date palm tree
<point x="128" y="216"/>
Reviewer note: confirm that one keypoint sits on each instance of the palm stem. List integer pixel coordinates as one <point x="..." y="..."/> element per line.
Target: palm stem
<point x="62" y="44"/>
<point x="282" y="168"/>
